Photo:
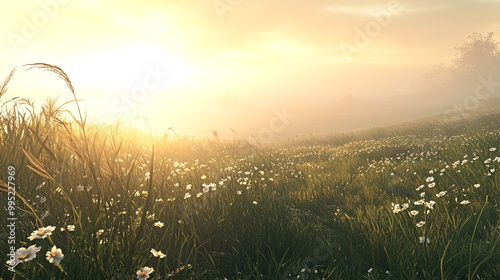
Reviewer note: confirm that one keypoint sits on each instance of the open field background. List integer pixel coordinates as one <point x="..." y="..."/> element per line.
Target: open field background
<point x="326" y="140"/>
<point x="418" y="200"/>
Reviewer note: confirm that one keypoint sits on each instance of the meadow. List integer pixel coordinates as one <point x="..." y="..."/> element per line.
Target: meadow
<point x="413" y="201"/>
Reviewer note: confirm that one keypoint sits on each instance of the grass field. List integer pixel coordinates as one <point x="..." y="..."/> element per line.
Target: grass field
<point x="401" y="202"/>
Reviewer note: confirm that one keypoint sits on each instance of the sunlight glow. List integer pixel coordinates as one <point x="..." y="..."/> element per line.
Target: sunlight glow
<point x="125" y="67"/>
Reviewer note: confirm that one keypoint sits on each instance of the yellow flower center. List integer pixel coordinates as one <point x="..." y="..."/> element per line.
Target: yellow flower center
<point x="23" y="256"/>
<point x="40" y="232"/>
<point x="53" y="254"/>
<point x="143" y="274"/>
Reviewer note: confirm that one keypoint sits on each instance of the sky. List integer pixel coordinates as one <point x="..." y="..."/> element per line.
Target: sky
<point x="235" y="66"/>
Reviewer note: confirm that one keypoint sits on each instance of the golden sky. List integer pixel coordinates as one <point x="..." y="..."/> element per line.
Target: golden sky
<point x="214" y="64"/>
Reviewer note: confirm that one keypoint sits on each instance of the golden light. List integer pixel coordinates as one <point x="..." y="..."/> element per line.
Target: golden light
<point x="129" y="66"/>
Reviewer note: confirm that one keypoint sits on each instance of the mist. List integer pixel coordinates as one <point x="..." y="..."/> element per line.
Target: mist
<point x="238" y="68"/>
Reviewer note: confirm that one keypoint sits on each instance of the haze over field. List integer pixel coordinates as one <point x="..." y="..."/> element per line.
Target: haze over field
<point x="269" y="68"/>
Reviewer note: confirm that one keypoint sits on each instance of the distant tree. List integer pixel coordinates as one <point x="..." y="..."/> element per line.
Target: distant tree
<point x="477" y="52"/>
<point x="478" y="55"/>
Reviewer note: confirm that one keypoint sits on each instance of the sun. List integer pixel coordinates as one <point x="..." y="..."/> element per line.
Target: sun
<point x="130" y="66"/>
<point x="121" y="82"/>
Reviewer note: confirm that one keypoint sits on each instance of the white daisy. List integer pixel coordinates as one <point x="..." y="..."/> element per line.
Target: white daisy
<point x="41" y="233"/>
<point x="144" y="272"/>
<point x="55" y="255"/>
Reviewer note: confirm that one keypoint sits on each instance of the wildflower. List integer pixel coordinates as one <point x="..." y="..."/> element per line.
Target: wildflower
<point x="441" y="194"/>
<point x="55" y="255"/>
<point x="493" y="149"/>
<point x="238" y="192"/>
<point x="414" y="212"/>
<point x="421" y="224"/>
<point x="147" y="176"/>
<point x="144" y="272"/>
<point x="188" y="187"/>
<point x="419" y="202"/>
<point x="430" y="204"/>
<point x="422" y="240"/>
<point x="422" y="194"/>
<point x="396" y="209"/>
<point x="70" y="227"/>
<point x="41" y="233"/>
<point x="370" y="270"/>
<point x="429" y="179"/>
<point x="187" y="195"/>
<point x="157" y="254"/>
<point x="79" y="188"/>
<point x="432" y="185"/>
<point x="159" y="224"/>
<point x="24" y="255"/>
<point x="99" y="232"/>
<point x="206" y="188"/>
<point x="464" y="202"/>
<point x="254" y="202"/>
<point x="203" y="177"/>
<point x="477" y="185"/>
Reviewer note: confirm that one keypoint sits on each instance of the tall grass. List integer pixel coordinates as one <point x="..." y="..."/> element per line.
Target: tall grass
<point x="318" y="209"/>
